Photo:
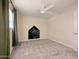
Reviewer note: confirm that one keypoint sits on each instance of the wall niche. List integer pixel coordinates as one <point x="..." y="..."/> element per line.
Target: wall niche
<point x="33" y="33"/>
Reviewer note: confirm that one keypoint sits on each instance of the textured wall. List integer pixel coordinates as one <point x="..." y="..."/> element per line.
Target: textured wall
<point x="62" y="28"/>
<point x="26" y="22"/>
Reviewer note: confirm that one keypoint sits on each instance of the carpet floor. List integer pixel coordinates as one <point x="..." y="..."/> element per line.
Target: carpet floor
<point x="42" y="49"/>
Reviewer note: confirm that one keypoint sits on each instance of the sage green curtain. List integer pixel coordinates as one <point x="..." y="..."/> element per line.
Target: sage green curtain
<point x="15" y="39"/>
<point x="4" y="29"/>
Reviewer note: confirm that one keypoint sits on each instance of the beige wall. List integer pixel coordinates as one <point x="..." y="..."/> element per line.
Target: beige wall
<point x="26" y="22"/>
<point x="63" y="28"/>
<point x="20" y="26"/>
<point x="10" y="36"/>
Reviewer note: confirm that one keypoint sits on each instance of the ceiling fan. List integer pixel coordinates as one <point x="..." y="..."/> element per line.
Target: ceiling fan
<point x="46" y="9"/>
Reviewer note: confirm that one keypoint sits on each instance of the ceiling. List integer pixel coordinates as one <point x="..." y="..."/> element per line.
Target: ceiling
<point x="32" y="7"/>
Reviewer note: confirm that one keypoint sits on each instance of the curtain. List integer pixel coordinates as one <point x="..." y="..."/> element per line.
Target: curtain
<point x="15" y="34"/>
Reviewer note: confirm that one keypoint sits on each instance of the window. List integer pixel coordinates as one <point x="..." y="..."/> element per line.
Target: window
<point x="11" y="19"/>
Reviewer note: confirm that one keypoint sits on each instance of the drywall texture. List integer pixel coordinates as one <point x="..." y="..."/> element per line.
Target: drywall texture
<point x="20" y="26"/>
<point x="63" y="28"/>
<point x="26" y="22"/>
<point x="10" y="36"/>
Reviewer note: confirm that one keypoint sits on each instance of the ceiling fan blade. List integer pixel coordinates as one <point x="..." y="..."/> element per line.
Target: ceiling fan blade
<point x="49" y="7"/>
<point x="45" y="9"/>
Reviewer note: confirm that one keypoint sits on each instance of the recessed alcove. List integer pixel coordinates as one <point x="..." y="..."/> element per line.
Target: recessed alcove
<point x="33" y="33"/>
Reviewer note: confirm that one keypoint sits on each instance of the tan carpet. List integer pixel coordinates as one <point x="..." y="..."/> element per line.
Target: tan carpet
<point x="42" y="49"/>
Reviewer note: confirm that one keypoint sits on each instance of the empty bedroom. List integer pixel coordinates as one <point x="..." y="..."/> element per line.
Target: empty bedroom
<point x="43" y="29"/>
